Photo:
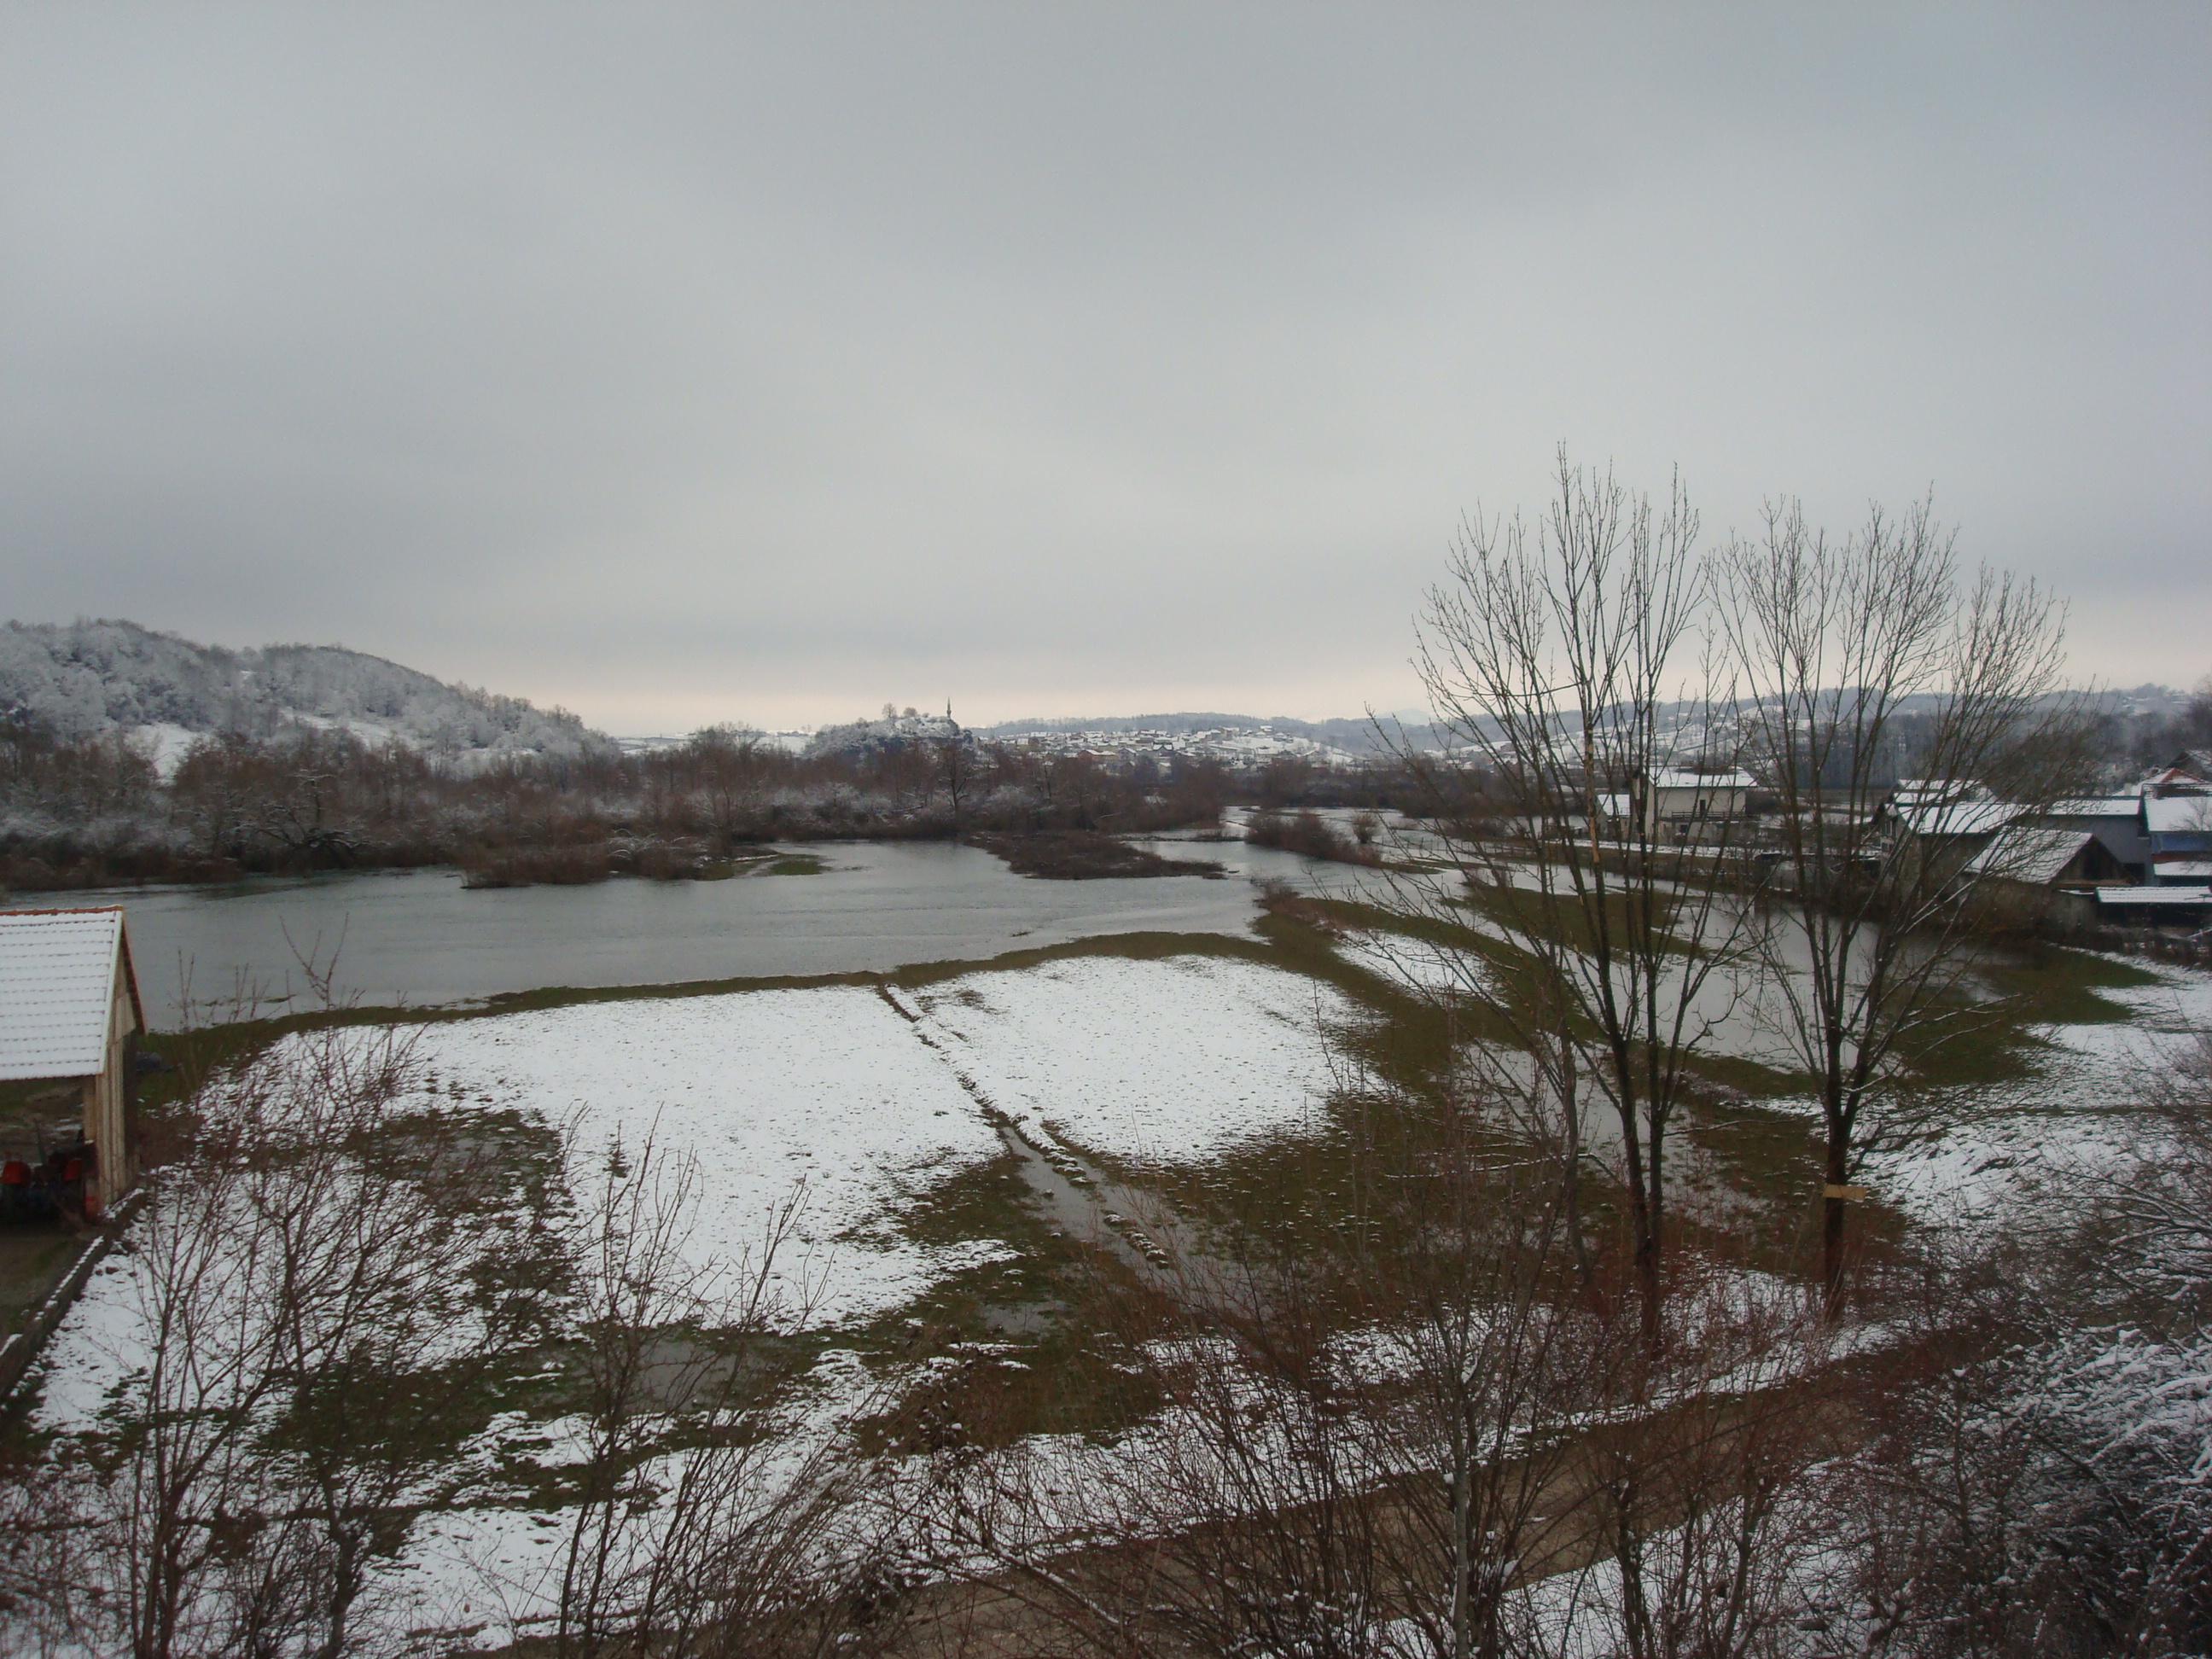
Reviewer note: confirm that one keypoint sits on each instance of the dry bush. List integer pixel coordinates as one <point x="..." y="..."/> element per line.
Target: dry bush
<point x="1437" y="1441"/>
<point x="1311" y="835"/>
<point x="298" y="1315"/>
<point x="572" y="866"/>
<point x="2036" y="1476"/>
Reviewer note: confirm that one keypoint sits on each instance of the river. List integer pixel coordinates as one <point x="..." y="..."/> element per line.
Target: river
<point x="419" y="938"/>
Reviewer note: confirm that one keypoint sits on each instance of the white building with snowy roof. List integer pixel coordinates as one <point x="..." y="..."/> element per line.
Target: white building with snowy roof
<point x="69" y="1007"/>
<point x="1684" y="804"/>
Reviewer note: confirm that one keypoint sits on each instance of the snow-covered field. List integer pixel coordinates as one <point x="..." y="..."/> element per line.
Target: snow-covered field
<point x="863" y="1101"/>
<point x="1168" y="1061"/>
<point x="1412" y="965"/>
<point x="768" y="1091"/>
<point x="823" y="1094"/>
<point x="2071" y="1113"/>
<point x="833" y="1095"/>
<point x="832" y="1091"/>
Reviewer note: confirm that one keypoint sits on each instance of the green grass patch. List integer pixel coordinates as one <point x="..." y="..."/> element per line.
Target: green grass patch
<point x="795" y="863"/>
<point x="1021" y="1333"/>
<point x="1629" y="917"/>
<point x="1966" y="1041"/>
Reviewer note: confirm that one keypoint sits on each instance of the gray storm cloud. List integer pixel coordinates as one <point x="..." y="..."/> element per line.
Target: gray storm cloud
<point x="675" y="364"/>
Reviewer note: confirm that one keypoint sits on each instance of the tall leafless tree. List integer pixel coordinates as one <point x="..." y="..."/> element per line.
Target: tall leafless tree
<point x="1845" y="648"/>
<point x="1567" y="669"/>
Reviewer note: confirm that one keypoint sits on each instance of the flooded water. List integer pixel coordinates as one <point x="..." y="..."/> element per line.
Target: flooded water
<point x="420" y="938"/>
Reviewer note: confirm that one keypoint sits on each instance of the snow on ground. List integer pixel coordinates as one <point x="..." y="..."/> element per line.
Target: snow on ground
<point x="165" y="743"/>
<point x="491" y="1573"/>
<point x="771" y="1091"/>
<point x="2159" y="1017"/>
<point x="2071" y="1113"/>
<point x="1973" y="1171"/>
<point x="829" y="1090"/>
<point x="1169" y="1061"/>
<point x="1416" y="966"/>
<point x="104" y="1336"/>
<point x="768" y="1089"/>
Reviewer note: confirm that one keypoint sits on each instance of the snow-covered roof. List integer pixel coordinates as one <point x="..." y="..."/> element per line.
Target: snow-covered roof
<point x="2177" y="814"/>
<point x="2096" y="806"/>
<point x="1958" y="818"/>
<point x="2020" y="853"/>
<point x="2178" y="896"/>
<point x="2186" y="869"/>
<point x="1920" y="791"/>
<point x="57" y="974"/>
<point x="1671" y="778"/>
<point x="2167" y="776"/>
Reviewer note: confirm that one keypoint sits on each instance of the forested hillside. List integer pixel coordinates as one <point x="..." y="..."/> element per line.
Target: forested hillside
<point x="90" y="678"/>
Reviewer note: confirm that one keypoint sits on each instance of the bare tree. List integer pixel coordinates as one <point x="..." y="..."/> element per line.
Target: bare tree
<point x="955" y="765"/>
<point x="728" y="760"/>
<point x="300" y="1310"/>
<point x="1690" y="1488"/>
<point x="2030" y="1477"/>
<point x="1566" y="666"/>
<point x="1429" y="1439"/>
<point x="1487" y="1356"/>
<point x="720" y="1511"/>
<point x="1847" y="649"/>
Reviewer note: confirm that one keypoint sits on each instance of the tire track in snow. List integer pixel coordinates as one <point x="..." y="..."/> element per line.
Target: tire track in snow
<point x="1080" y="1197"/>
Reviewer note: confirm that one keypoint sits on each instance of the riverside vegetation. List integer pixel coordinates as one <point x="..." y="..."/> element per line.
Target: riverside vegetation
<point x="93" y="810"/>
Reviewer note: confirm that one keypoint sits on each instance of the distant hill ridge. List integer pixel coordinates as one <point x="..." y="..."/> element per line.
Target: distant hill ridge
<point x="84" y="678"/>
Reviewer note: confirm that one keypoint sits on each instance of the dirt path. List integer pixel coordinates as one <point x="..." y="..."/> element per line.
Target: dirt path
<point x="1081" y="1199"/>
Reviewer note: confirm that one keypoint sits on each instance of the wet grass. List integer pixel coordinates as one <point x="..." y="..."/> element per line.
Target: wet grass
<point x="1968" y="1041"/>
<point x="35" y="1256"/>
<point x="1299" y="1189"/>
<point x="1084" y="855"/>
<point x="1014" y="1342"/>
<point x="1399" y="1052"/>
<point x="1563" y="916"/>
<point x="795" y="863"/>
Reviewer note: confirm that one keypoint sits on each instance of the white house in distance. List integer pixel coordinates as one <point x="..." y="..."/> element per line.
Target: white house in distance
<point x="68" y="1007"/>
<point x="1683" y="806"/>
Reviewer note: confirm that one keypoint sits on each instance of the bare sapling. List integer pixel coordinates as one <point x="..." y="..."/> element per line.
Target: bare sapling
<point x="722" y="1508"/>
<point x="290" y="1328"/>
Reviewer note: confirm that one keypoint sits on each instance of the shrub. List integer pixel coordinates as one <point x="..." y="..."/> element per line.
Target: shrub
<point x="1310" y="834"/>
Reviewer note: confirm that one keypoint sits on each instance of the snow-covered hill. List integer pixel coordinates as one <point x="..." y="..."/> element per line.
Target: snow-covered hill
<point x="88" y="677"/>
<point x="1235" y="745"/>
<point x="1229" y="738"/>
<point x="892" y="732"/>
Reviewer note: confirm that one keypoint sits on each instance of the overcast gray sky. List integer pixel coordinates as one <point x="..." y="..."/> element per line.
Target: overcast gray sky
<point x="679" y="364"/>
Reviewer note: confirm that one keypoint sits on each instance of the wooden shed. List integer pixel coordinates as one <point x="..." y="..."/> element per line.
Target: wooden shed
<point x="69" y="1007"/>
